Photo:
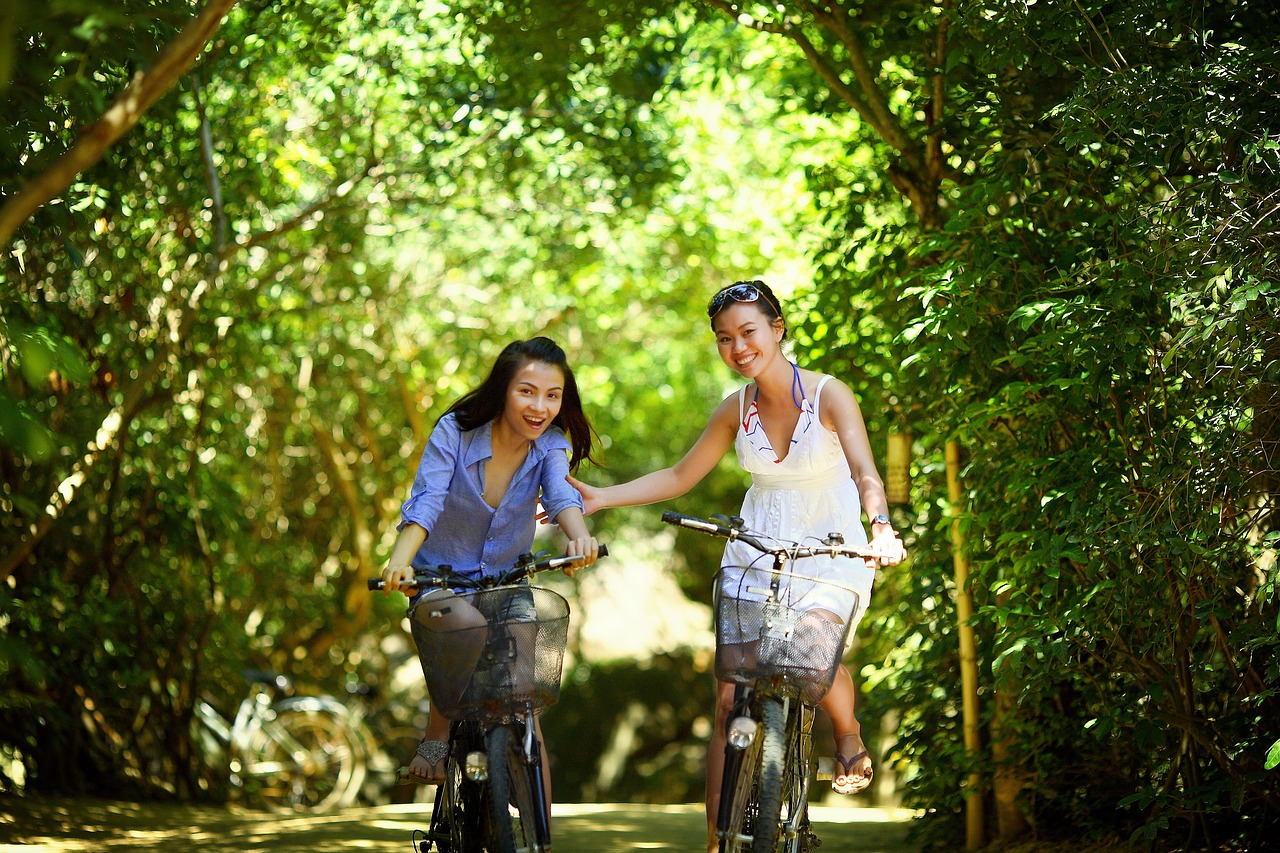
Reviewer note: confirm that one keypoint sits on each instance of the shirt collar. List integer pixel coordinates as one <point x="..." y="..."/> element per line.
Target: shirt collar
<point x="481" y="445"/>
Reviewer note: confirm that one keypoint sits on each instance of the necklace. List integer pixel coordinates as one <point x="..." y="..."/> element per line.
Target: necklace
<point x="797" y="388"/>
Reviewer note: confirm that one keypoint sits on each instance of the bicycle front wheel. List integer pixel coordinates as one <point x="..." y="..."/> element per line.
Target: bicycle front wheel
<point x="797" y="834"/>
<point x="512" y="783"/>
<point x="773" y="762"/>
<point x="301" y="760"/>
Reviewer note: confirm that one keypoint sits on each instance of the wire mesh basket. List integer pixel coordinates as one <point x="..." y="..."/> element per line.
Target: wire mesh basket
<point x="492" y="652"/>
<point x="790" y="637"/>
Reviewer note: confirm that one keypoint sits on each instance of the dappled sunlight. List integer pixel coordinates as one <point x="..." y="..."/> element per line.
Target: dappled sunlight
<point x="29" y="825"/>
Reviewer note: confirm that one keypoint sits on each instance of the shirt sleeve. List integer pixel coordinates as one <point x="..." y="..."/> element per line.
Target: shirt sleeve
<point x="435" y="473"/>
<point x="557" y="494"/>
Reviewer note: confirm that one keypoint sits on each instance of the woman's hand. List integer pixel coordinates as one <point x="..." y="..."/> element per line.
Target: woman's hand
<point x="592" y="497"/>
<point x="587" y="548"/>
<point x="888" y="547"/>
<point x="398" y="579"/>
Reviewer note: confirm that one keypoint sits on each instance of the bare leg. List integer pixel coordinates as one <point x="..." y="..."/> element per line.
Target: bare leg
<point x="838" y="703"/>
<point x="715" y="759"/>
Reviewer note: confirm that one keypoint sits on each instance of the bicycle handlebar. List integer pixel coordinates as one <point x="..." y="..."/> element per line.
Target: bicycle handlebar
<point x="526" y="565"/>
<point x="834" y="546"/>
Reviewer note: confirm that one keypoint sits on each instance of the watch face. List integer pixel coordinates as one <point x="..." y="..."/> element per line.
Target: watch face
<point x="880" y="519"/>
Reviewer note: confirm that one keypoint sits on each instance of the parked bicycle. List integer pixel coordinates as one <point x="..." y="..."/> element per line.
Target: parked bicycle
<point x="780" y="637"/>
<point x="490" y="677"/>
<point x="287" y="753"/>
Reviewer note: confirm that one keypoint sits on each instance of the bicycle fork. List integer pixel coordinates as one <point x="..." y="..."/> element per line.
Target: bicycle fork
<point x="741" y="731"/>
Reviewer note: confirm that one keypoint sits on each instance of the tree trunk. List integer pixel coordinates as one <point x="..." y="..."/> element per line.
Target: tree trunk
<point x="974" y="817"/>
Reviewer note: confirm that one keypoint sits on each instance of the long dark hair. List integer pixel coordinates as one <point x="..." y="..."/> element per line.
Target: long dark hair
<point x="481" y="405"/>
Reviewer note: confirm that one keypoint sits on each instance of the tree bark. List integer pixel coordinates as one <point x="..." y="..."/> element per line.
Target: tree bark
<point x="974" y="818"/>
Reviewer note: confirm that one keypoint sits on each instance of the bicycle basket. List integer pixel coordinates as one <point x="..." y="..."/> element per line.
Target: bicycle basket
<point x="795" y="638"/>
<point x="491" y="652"/>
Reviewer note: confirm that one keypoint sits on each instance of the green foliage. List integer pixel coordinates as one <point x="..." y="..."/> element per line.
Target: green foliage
<point x="233" y="378"/>
<point x="1095" y="327"/>
<point x="240" y="360"/>
<point x="630" y="732"/>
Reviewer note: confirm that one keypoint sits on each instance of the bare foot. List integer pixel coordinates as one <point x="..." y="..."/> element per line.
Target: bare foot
<point x="853" y="765"/>
<point x="425" y="771"/>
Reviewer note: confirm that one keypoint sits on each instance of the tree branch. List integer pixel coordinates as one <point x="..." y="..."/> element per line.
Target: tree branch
<point x="143" y="90"/>
<point x="878" y="113"/>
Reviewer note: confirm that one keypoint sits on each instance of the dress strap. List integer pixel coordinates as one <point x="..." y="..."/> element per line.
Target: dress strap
<point x="817" y="394"/>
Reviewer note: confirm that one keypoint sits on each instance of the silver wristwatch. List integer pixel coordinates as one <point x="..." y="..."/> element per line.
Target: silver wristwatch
<point x="881" y="519"/>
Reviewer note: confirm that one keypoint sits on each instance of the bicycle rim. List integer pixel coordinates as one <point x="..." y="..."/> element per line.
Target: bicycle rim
<point x="773" y="757"/>
<point x="303" y="760"/>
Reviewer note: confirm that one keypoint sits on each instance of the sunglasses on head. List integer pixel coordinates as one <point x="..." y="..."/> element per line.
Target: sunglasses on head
<point x="743" y="291"/>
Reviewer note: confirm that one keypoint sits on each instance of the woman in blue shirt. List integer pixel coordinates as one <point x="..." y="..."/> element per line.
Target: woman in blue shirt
<point x="498" y="452"/>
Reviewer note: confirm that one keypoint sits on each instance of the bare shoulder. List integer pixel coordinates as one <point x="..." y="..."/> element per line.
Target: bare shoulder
<point x="727" y="412"/>
<point x="839" y="403"/>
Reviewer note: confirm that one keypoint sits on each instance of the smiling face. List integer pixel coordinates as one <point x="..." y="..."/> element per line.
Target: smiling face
<point x="534" y="397"/>
<point x="747" y="340"/>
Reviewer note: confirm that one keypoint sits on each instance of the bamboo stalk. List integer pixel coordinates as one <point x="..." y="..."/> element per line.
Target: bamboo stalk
<point x="974" y="818"/>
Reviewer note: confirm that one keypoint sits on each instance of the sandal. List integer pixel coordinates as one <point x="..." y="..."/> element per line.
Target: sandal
<point x="854" y="786"/>
<point x="431" y="753"/>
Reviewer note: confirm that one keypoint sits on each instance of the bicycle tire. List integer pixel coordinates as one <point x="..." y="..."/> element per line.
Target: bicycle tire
<point x="273" y="777"/>
<point x="796" y="830"/>
<point x="459" y="814"/>
<point x="532" y="829"/>
<point x="773" y="758"/>
<point x="357" y="736"/>
<point x="502" y="838"/>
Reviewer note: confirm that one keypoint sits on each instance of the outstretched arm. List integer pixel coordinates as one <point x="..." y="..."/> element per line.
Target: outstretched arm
<point x="671" y="482"/>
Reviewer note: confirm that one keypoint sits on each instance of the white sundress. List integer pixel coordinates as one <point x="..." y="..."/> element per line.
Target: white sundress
<point x="802" y="498"/>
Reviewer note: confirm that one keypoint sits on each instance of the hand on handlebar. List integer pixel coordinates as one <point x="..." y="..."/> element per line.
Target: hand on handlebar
<point x="888" y="547"/>
<point x="398" y="579"/>
<point x="587" y="548"/>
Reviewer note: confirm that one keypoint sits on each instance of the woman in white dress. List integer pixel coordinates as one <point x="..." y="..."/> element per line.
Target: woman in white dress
<point x="801" y="436"/>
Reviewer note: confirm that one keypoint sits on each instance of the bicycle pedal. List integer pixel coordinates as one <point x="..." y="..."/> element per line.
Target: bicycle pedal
<point x="826" y="770"/>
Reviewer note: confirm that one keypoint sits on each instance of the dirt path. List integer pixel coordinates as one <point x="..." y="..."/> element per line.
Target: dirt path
<point x="81" y="825"/>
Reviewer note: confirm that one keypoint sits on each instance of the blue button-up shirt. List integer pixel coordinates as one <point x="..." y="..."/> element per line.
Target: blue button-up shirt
<point x="447" y="499"/>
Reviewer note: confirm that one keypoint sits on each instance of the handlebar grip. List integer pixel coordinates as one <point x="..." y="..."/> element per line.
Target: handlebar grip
<point x="691" y="522"/>
<point x="375" y="584"/>
<point x="604" y="550"/>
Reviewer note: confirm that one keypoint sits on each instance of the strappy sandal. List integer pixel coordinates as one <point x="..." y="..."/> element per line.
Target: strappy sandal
<point x="846" y="766"/>
<point x="433" y="752"/>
